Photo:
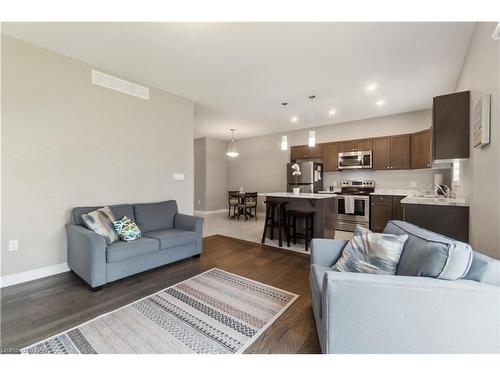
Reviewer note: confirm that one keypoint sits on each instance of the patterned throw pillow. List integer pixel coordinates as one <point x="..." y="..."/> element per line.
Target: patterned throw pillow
<point x="101" y="222"/>
<point x="370" y="252"/>
<point x="127" y="229"/>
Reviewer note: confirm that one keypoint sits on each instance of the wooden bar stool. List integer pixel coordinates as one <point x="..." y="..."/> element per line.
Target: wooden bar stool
<point x="308" y="216"/>
<point x="271" y="209"/>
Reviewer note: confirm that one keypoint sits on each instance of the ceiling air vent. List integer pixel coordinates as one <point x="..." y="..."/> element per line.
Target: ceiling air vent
<point x="118" y="84"/>
<point x="496" y="33"/>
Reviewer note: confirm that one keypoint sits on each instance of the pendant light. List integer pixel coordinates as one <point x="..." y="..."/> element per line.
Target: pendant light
<point x="284" y="138"/>
<point x="312" y="134"/>
<point x="231" y="151"/>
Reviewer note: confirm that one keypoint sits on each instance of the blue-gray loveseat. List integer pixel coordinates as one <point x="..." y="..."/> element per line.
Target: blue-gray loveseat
<point x="366" y="313"/>
<point x="167" y="236"/>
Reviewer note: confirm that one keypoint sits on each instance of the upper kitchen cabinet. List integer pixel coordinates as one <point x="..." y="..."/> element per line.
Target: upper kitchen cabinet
<point x="421" y="149"/>
<point x="391" y="152"/>
<point x="400" y="151"/>
<point x="306" y="152"/>
<point x="331" y="157"/>
<point x="451" y="126"/>
<point x="381" y="153"/>
<point x="356" y="145"/>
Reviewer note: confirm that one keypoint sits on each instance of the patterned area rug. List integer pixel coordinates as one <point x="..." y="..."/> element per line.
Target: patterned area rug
<point x="214" y="312"/>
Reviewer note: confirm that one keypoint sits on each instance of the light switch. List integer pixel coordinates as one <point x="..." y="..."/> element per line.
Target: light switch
<point x="178" y="176"/>
<point x="13" y="245"/>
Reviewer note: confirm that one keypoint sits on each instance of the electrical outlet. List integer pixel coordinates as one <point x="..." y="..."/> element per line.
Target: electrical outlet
<point x="199" y="201"/>
<point x="178" y="176"/>
<point x="413" y="184"/>
<point x="13" y="245"/>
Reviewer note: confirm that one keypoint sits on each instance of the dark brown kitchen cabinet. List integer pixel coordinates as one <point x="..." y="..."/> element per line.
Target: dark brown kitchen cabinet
<point x="400" y="151"/>
<point x="330" y="157"/>
<point x="397" y="208"/>
<point x="381" y="153"/>
<point x="450" y="221"/>
<point x="420" y="149"/>
<point x="380" y="212"/>
<point x="384" y="208"/>
<point x="451" y="126"/>
<point x="306" y="152"/>
<point x="356" y="145"/>
<point x="391" y="152"/>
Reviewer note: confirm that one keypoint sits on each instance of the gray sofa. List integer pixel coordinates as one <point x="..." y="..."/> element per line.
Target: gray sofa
<point x="167" y="236"/>
<point x="365" y="313"/>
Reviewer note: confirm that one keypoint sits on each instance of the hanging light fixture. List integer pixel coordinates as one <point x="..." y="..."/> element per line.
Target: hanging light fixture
<point x="284" y="138"/>
<point x="312" y="134"/>
<point x="231" y="151"/>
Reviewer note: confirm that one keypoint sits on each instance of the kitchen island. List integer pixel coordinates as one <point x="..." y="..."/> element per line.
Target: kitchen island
<point x="323" y="206"/>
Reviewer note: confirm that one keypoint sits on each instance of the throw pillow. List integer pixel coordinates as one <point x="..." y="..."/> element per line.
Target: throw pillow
<point x="370" y="252"/>
<point x="101" y="222"/>
<point x="127" y="229"/>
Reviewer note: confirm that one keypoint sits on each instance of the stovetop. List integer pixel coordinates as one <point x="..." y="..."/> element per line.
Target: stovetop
<point x="357" y="187"/>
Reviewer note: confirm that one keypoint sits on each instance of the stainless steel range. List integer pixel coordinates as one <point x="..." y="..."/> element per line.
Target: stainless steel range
<point x="352" y="205"/>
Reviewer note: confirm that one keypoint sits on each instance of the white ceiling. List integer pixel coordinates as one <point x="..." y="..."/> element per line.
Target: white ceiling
<point x="239" y="73"/>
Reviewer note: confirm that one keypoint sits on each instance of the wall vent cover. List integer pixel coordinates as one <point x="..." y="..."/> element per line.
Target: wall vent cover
<point x="118" y="84"/>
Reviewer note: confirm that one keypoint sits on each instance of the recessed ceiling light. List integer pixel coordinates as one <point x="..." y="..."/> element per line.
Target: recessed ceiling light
<point x="371" y="87"/>
<point x="380" y="102"/>
<point x="332" y="112"/>
<point x="295" y="119"/>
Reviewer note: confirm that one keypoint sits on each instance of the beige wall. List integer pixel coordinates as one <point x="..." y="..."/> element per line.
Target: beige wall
<point x="211" y="182"/>
<point x="66" y="143"/>
<point x="261" y="164"/>
<point x="480" y="74"/>
<point x="200" y="170"/>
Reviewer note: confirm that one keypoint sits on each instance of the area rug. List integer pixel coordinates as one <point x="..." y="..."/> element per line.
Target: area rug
<point x="213" y="312"/>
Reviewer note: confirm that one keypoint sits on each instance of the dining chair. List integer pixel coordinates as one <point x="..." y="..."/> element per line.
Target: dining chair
<point x="232" y="202"/>
<point x="249" y="203"/>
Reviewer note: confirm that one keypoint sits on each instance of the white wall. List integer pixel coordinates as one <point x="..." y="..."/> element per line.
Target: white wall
<point x="210" y="177"/>
<point x="261" y="164"/>
<point x="480" y="74"/>
<point x="67" y="143"/>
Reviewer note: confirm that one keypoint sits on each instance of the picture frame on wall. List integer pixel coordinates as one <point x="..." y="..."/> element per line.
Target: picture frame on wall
<point x="482" y="121"/>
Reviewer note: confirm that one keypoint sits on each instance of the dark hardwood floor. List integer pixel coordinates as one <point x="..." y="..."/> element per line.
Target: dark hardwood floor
<point x="35" y="310"/>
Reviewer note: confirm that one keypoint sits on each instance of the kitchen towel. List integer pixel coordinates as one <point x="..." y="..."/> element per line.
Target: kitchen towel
<point x="349" y="204"/>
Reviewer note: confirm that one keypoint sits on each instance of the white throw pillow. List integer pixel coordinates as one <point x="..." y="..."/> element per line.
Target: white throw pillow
<point x="369" y="252"/>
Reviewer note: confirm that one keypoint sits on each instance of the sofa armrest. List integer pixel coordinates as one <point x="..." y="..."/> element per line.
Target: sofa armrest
<point x="188" y="222"/>
<point x="325" y="251"/>
<point x="365" y="313"/>
<point x="87" y="254"/>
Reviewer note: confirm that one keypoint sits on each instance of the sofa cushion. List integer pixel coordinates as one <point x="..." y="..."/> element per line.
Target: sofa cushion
<point x="317" y="273"/>
<point x="101" y="222"/>
<point x="119" y="210"/>
<point x="121" y="250"/>
<point x="155" y="216"/>
<point x="172" y="237"/>
<point x="484" y="269"/>
<point x="430" y="254"/>
<point x="126" y="229"/>
<point x="368" y="252"/>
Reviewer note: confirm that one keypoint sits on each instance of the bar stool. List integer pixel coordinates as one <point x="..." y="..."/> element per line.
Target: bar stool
<point x="308" y="216"/>
<point x="271" y="208"/>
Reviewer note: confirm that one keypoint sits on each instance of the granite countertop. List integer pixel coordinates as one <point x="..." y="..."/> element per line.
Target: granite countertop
<point x="301" y="195"/>
<point x="442" y="201"/>
<point x="396" y="192"/>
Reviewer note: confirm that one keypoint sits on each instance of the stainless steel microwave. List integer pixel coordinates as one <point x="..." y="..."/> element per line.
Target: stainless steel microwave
<point x="355" y="160"/>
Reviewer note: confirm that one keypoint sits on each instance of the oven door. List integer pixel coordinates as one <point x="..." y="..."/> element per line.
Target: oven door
<point x="355" y="160"/>
<point x="361" y="209"/>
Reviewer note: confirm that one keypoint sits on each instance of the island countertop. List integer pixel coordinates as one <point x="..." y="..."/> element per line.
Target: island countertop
<point x="300" y="196"/>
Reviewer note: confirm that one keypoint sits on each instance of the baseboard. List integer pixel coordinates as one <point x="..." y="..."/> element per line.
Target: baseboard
<point x="38" y="273"/>
<point x="209" y="212"/>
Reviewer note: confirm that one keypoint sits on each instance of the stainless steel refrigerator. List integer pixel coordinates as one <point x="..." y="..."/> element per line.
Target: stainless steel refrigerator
<point x="310" y="179"/>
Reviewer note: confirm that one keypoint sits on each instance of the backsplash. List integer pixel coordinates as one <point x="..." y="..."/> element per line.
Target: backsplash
<point x="389" y="179"/>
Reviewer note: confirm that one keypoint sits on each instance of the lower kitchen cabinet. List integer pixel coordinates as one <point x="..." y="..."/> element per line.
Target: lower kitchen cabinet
<point x="384" y="208"/>
<point x="450" y="221"/>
